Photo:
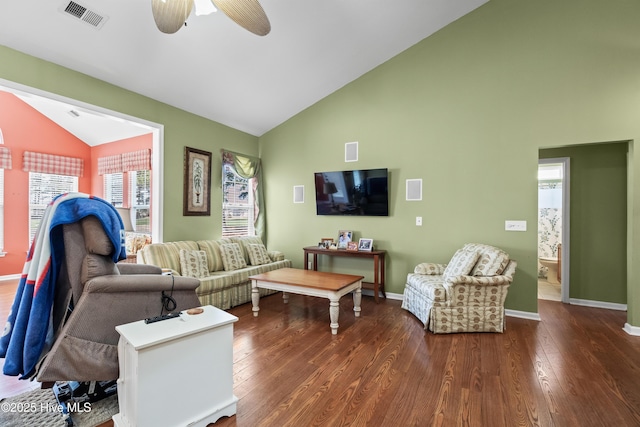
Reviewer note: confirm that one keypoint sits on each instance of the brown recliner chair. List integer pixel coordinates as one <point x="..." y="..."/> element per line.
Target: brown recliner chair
<point x="93" y="295"/>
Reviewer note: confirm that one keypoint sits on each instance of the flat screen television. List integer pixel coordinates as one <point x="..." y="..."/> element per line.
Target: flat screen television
<point x="356" y="192"/>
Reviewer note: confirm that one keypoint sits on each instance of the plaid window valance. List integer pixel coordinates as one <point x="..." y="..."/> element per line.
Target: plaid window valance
<point x="5" y="158"/>
<point x="137" y="160"/>
<point x="110" y="164"/>
<point x="133" y="161"/>
<point x="53" y="164"/>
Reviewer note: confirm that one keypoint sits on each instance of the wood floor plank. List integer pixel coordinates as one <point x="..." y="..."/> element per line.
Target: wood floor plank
<point x="576" y="367"/>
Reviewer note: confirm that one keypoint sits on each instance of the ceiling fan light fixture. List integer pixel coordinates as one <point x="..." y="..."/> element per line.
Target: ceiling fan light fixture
<point x="246" y="13"/>
<point x="170" y="15"/>
<point x="204" y="7"/>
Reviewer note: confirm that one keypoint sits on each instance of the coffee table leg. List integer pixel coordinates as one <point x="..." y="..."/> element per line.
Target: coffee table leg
<point x="255" y="298"/>
<point x="334" y="312"/>
<point x="357" y="299"/>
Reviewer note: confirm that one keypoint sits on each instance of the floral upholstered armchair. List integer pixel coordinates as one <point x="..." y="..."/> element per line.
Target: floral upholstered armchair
<point x="465" y="295"/>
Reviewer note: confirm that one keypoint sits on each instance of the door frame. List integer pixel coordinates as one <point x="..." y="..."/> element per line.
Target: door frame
<point x="565" y="277"/>
<point x="157" y="151"/>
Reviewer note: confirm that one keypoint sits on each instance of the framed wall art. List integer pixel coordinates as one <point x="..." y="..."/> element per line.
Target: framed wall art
<point x="197" y="182"/>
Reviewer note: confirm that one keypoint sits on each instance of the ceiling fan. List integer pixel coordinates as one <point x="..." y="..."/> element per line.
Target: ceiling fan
<point x="171" y="15"/>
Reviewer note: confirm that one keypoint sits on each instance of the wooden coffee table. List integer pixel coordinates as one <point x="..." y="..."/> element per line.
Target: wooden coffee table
<point x="312" y="283"/>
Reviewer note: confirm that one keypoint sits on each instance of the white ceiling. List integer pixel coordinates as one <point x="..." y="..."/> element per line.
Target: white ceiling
<point x="216" y="69"/>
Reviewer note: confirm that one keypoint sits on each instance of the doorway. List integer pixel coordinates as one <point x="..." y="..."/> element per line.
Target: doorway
<point x="553" y="229"/>
<point x="57" y="103"/>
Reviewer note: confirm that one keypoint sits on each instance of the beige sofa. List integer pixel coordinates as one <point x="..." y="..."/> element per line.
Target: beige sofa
<point x="465" y="295"/>
<point x="223" y="266"/>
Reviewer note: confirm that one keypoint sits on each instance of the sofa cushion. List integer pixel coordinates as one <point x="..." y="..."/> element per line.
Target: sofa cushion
<point x="193" y="263"/>
<point x="232" y="257"/>
<point x="212" y="249"/>
<point x="258" y="254"/>
<point x="428" y="286"/>
<point x="492" y="261"/>
<point x="461" y="263"/>
<point x="166" y="255"/>
<point x="244" y="242"/>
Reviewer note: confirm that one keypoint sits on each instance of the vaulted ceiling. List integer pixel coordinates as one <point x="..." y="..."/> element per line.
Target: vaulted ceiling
<point x="216" y="69"/>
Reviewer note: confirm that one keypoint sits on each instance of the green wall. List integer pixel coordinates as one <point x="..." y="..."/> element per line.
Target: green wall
<point x="598" y="220"/>
<point x="467" y="110"/>
<point x="180" y="129"/>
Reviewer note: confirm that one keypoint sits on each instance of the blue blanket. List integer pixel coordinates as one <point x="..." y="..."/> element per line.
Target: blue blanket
<point x="28" y="332"/>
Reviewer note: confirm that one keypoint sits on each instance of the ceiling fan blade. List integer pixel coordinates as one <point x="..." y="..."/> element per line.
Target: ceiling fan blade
<point x="246" y="13"/>
<point x="170" y="15"/>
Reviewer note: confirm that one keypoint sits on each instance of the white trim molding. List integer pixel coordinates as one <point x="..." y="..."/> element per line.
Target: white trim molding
<point x="598" y="304"/>
<point x="631" y="330"/>
<point x="523" y="314"/>
<point x="391" y="295"/>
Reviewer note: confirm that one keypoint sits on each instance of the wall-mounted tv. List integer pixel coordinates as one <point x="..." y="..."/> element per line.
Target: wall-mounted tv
<point x="356" y="192"/>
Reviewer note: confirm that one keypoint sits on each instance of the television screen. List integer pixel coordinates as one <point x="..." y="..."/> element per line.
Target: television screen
<point x="356" y="192"/>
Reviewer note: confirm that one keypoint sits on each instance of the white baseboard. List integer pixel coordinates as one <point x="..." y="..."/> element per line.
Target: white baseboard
<point x="598" y="304"/>
<point x="393" y="296"/>
<point x="523" y="314"/>
<point x="390" y="295"/>
<point x="513" y="313"/>
<point x="631" y="330"/>
<point x="10" y="277"/>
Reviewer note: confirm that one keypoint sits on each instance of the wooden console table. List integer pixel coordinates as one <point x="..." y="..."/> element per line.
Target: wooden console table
<point x="378" y="265"/>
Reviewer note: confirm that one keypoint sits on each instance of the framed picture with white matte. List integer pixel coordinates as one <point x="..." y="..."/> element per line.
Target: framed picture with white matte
<point x="365" y="245"/>
<point x="344" y="237"/>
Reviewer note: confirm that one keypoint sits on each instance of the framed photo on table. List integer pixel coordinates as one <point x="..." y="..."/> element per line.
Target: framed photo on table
<point x="326" y="242"/>
<point x="352" y="246"/>
<point x="197" y="182"/>
<point x="365" y="245"/>
<point x="344" y="237"/>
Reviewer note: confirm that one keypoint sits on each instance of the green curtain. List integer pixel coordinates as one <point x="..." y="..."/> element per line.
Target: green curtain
<point x="250" y="167"/>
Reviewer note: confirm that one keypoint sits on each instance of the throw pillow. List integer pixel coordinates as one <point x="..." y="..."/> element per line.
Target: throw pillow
<point x="244" y="243"/>
<point x="232" y="258"/>
<point x="258" y="254"/>
<point x="491" y="262"/>
<point x="461" y="263"/>
<point x="193" y="263"/>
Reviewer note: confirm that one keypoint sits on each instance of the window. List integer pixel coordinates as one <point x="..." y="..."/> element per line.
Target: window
<point x="43" y="187"/>
<point x="140" y="198"/>
<point x="1" y="210"/>
<point x="237" y="204"/>
<point x="5" y="162"/>
<point x="113" y="189"/>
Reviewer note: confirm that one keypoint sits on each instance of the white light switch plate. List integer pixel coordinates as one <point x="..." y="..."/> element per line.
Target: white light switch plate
<point x="515" y="225"/>
<point x="418" y="220"/>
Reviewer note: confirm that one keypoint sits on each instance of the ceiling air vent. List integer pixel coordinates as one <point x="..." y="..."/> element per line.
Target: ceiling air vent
<point x="85" y="15"/>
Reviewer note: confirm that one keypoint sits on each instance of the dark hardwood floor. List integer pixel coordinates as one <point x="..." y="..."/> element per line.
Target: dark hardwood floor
<point x="576" y="367"/>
